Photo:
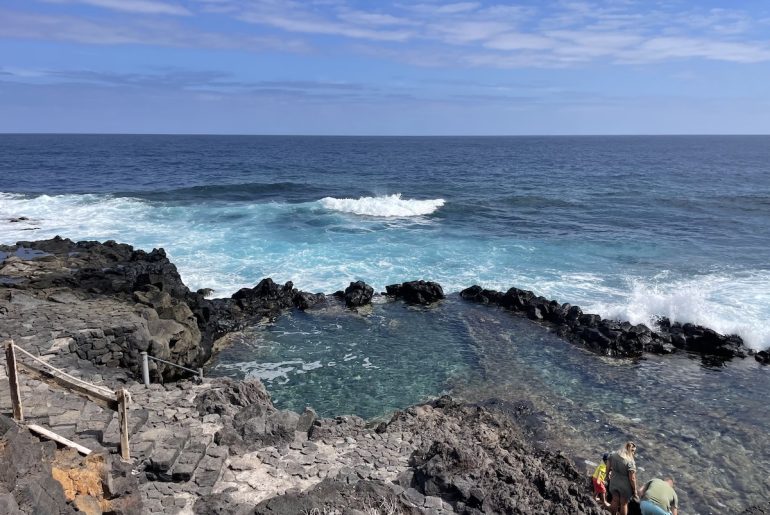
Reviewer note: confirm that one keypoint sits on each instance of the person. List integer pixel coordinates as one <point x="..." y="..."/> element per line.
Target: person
<point x="621" y="470"/>
<point x="598" y="478"/>
<point x="659" y="498"/>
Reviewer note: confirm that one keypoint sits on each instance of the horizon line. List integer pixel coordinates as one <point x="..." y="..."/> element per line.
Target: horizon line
<point x="299" y="135"/>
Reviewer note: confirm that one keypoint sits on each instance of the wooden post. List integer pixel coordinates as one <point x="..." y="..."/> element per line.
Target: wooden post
<point x="13" y="380"/>
<point x="123" y="398"/>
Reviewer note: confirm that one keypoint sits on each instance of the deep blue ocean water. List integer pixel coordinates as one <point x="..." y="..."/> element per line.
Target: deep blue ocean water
<point x="630" y="227"/>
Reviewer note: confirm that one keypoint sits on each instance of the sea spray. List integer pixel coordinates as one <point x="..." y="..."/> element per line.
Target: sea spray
<point x="384" y="206"/>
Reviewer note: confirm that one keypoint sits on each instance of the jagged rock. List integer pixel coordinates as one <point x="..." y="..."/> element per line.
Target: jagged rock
<point x="304" y="300"/>
<point x="256" y="425"/>
<point x="416" y="292"/>
<point x="306" y="420"/>
<point x="228" y="397"/>
<point x="478" y="463"/>
<point x="358" y="294"/>
<point x="612" y="337"/>
<point x="25" y="472"/>
<point x="144" y="287"/>
<point x="366" y="496"/>
<point x="337" y="427"/>
<point x="220" y="504"/>
<point x="266" y="297"/>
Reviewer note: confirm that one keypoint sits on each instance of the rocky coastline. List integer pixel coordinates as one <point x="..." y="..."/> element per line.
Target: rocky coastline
<point x="221" y="446"/>
<point x="614" y="337"/>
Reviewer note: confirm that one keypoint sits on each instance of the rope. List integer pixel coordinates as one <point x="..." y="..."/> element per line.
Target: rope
<point x="63" y="373"/>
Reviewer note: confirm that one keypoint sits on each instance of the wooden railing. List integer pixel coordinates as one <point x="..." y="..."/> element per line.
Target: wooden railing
<point x="115" y="401"/>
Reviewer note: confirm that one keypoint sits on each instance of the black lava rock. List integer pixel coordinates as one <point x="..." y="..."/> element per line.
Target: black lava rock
<point x="417" y="292"/>
<point x="358" y="294"/>
<point x="613" y="337"/>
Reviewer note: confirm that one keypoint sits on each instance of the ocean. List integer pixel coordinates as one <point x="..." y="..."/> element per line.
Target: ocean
<point x="627" y="227"/>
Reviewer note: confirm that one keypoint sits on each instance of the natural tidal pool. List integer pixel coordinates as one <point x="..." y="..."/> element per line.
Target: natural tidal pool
<point x="705" y="426"/>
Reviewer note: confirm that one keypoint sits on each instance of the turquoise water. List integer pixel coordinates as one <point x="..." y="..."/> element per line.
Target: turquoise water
<point x="339" y="362"/>
<point x="705" y="426"/>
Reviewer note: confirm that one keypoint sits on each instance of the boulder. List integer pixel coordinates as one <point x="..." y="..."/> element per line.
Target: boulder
<point x="358" y="294"/>
<point x="417" y="292"/>
<point x="226" y="397"/>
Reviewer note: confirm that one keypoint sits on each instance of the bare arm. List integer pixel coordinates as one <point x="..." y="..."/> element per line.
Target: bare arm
<point x="632" y="480"/>
<point x="674" y="511"/>
<point x="644" y="490"/>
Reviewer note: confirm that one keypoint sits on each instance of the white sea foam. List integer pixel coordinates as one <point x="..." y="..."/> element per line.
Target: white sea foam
<point x="226" y="247"/>
<point x="728" y="303"/>
<point x="391" y="206"/>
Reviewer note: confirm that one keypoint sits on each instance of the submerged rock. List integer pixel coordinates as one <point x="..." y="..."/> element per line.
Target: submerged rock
<point x="760" y="509"/>
<point x="416" y="292"/>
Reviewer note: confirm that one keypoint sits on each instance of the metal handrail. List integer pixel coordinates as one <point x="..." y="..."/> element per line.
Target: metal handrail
<point x="146" y="367"/>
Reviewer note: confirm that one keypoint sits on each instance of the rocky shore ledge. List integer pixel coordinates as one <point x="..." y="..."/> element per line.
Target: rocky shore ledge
<point x="220" y="446"/>
<point x="615" y="337"/>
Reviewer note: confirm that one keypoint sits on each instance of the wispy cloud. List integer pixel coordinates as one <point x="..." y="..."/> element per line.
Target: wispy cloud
<point x="102" y="31"/>
<point x="560" y="33"/>
<point x="177" y="79"/>
<point x="132" y="6"/>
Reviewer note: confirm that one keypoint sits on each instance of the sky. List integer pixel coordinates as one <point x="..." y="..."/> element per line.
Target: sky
<point x="391" y="67"/>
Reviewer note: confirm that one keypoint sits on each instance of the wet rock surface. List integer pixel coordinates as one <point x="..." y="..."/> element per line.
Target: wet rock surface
<point x="613" y="337"/>
<point x="762" y="509"/>
<point x="416" y="292"/>
<point x="358" y="294"/>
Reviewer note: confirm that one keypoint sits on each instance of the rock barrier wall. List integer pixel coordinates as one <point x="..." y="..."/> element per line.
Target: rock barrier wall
<point x="612" y="337"/>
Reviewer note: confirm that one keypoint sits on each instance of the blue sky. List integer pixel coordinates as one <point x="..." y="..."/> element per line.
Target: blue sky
<point x="390" y="67"/>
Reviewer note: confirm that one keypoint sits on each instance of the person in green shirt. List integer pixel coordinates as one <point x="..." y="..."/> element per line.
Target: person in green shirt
<point x="659" y="498"/>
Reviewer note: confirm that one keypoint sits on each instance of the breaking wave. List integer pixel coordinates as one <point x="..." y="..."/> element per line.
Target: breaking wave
<point x="392" y="206"/>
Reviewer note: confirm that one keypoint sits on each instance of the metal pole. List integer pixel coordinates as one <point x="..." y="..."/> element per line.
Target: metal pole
<point x="145" y="370"/>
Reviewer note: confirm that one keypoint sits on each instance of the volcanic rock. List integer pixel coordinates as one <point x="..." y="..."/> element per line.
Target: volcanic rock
<point x="358" y="294"/>
<point x="416" y="292"/>
<point x="612" y="337"/>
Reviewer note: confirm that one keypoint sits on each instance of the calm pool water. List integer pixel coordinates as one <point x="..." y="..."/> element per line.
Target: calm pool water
<point x="705" y="426"/>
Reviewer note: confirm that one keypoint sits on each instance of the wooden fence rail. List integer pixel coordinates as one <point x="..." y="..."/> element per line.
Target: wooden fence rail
<point x="115" y="401"/>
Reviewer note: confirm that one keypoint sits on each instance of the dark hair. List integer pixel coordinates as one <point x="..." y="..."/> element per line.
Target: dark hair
<point x="605" y="457"/>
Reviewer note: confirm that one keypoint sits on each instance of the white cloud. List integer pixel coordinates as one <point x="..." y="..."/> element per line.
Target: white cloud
<point x="519" y="41"/>
<point x="103" y="32"/>
<point x="557" y="33"/>
<point x="133" y="6"/>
